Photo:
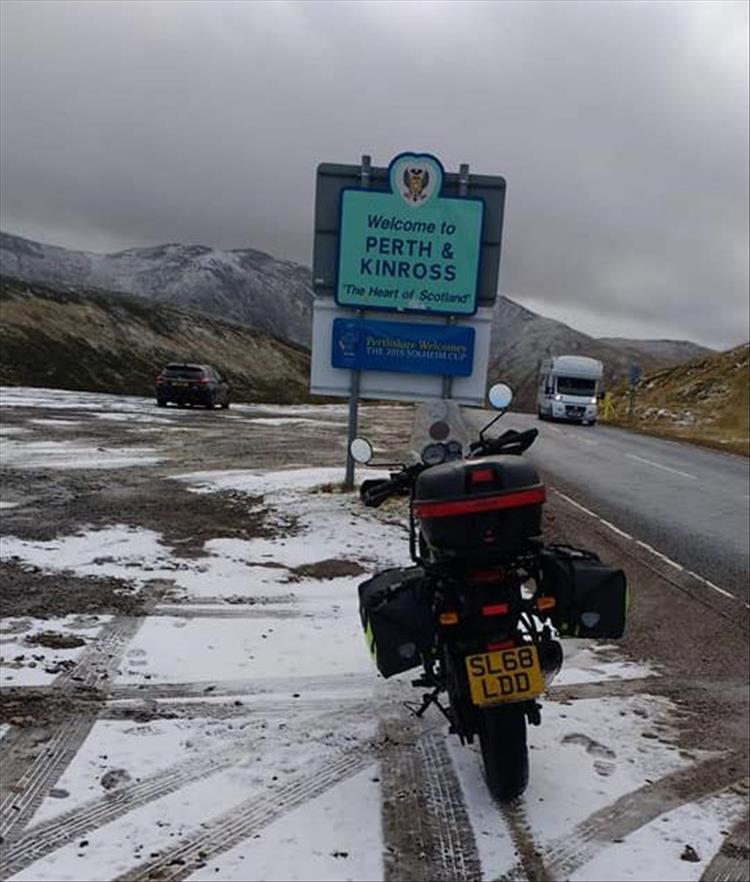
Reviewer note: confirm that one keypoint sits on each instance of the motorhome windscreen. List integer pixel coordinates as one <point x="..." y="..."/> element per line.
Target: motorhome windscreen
<point x="575" y="386"/>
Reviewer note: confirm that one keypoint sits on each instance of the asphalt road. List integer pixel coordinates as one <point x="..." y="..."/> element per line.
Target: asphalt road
<point x="689" y="503"/>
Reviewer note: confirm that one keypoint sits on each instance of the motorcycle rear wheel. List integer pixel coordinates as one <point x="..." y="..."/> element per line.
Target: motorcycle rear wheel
<point x="502" y="736"/>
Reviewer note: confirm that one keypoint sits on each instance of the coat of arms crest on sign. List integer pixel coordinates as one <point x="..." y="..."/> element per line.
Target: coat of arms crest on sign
<point x="416" y="178"/>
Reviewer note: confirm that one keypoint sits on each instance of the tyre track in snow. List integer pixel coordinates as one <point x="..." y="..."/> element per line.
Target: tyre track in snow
<point x="169" y="710"/>
<point x="25" y="784"/>
<point x="246" y="687"/>
<point x="633" y="811"/>
<point x="228" y="612"/>
<point x="229" y="829"/>
<point x="653" y="685"/>
<point x="37" y="841"/>
<point x="426" y="827"/>
<point x="531" y="865"/>
<point x="448" y="816"/>
<point x="732" y="862"/>
<point x="100" y="662"/>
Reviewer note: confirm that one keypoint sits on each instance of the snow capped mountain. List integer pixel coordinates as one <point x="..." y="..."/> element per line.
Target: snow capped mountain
<point x="258" y="291"/>
<point x="242" y="285"/>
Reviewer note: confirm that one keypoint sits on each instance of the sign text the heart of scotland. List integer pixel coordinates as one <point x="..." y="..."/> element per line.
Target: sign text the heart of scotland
<point x="409" y="249"/>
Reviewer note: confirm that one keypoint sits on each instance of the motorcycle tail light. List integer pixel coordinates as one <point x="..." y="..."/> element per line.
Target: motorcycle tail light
<point x="503" y="644"/>
<point x="482" y="476"/>
<point x="495" y="609"/>
<point x="485" y="576"/>
<point x="544" y="603"/>
<point x="448" y="618"/>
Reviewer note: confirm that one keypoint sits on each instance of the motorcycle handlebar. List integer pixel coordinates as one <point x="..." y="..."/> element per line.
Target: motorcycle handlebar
<point x="375" y="493"/>
<point x="509" y="442"/>
<point x="376" y="496"/>
<point x="378" y="491"/>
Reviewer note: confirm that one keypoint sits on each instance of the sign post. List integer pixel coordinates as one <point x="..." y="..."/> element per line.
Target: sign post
<point x="351" y="430"/>
<point x="463" y="190"/>
<point x="635" y="375"/>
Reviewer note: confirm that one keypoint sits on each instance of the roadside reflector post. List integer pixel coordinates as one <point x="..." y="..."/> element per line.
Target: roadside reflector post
<point x="351" y="432"/>
<point x="463" y="190"/>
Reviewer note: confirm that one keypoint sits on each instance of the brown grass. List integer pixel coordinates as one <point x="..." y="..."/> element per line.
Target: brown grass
<point x="705" y="401"/>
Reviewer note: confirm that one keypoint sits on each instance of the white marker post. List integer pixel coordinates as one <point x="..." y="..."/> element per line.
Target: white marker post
<point x="463" y="190"/>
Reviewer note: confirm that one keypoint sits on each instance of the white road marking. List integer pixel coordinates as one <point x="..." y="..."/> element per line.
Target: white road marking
<point x="645" y="546"/>
<point x="658" y="465"/>
<point x="711" y="585"/>
<point x="615" y="529"/>
<point x="576" y="504"/>
<point x="660" y="555"/>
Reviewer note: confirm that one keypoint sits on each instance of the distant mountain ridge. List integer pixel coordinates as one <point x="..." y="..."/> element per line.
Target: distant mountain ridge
<point x="521" y="338"/>
<point x="98" y="341"/>
<point x="243" y="285"/>
<point x="256" y="290"/>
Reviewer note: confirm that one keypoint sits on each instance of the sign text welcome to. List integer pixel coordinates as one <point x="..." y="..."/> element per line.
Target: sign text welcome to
<point x="409" y="249"/>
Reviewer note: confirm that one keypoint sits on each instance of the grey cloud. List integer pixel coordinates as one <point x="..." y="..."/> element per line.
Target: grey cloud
<point x="622" y="129"/>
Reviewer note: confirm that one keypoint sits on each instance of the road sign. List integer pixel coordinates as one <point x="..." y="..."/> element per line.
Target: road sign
<point x="636" y="372"/>
<point x="333" y="178"/>
<point x="325" y="379"/>
<point x="364" y="344"/>
<point x="409" y="248"/>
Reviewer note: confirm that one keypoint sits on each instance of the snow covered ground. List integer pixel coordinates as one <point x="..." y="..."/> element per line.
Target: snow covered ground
<point x="243" y="725"/>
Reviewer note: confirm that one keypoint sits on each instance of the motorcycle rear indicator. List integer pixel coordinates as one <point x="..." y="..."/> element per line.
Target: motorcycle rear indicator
<point x="460" y="517"/>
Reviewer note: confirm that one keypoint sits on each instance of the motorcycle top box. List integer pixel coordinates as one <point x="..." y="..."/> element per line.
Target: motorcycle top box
<point x="479" y="507"/>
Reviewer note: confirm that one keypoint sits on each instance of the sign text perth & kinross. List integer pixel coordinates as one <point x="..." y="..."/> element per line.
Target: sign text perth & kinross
<point x="410" y="249"/>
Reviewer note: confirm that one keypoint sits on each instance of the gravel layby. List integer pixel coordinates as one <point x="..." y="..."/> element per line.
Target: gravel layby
<point x="186" y="693"/>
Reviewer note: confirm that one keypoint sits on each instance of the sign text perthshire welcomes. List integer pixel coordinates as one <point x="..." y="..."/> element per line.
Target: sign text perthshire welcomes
<point x="365" y="344"/>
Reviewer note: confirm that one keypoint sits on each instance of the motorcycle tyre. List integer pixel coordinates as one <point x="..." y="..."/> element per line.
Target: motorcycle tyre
<point x="502" y="736"/>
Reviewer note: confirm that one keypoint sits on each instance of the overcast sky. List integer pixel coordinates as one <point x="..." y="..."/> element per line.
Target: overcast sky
<point x="621" y="128"/>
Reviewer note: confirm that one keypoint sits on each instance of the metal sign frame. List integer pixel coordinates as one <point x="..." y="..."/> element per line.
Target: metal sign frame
<point x="331" y="180"/>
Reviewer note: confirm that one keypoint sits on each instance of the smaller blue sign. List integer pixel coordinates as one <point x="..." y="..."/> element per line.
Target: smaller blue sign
<point x="363" y="344"/>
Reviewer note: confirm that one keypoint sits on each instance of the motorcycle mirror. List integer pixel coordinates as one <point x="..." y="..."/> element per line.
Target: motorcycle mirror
<point x="361" y="450"/>
<point x="500" y="396"/>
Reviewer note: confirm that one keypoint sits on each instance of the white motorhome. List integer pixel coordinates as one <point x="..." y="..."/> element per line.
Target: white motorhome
<point x="568" y="388"/>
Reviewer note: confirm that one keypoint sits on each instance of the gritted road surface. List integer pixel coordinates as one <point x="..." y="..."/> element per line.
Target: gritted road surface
<point x="690" y="503"/>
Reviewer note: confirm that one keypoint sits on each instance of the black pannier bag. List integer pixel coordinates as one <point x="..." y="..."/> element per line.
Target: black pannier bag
<point x="396" y="611"/>
<point x="591" y="598"/>
<point x="479" y="508"/>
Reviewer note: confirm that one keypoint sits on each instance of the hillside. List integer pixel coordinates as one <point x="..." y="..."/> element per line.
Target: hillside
<point x="705" y="401"/>
<point x="99" y="341"/>
<point x="520" y="339"/>
<point x="243" y="285"/>
<point x="251" y="288"/>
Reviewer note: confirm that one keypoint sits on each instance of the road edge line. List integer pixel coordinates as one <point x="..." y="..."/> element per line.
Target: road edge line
<point x="646" y="546"/>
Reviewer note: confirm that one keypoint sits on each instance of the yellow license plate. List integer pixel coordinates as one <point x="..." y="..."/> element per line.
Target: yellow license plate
<point x="505" y="675"/>
<point x="179" y="383"/>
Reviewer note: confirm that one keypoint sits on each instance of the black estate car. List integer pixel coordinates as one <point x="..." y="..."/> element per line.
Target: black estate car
<point x="191" y="384"/>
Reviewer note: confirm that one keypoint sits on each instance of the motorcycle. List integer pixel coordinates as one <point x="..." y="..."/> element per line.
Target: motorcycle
<point x="486" y="603"/>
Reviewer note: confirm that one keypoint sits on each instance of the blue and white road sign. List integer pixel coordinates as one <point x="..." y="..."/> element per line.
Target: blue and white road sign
<point x="365" y="344"/>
